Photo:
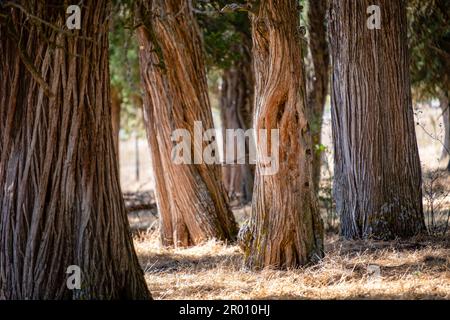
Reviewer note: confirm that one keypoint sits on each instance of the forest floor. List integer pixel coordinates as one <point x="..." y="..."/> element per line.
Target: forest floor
<point x="418" y="269"/>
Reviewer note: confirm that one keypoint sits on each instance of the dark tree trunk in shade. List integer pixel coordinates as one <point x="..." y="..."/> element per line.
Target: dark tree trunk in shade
<point x="60" y="199"/>
<point x="116" y="101"/>
<point x="377" y="183"/>
<point x="285" y="229"/>
<point x="318" y="79"/>
<point x="191" y="198"/>
<point x="236" y="104"/>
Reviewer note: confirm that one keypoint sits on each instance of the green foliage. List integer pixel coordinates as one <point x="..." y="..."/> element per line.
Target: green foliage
<point x="429" y="40"/>
<point x="222" y="32"/>
<point x="320" y="148"/>
<point x="123" y="47"/>
<point x="124" y="67"/>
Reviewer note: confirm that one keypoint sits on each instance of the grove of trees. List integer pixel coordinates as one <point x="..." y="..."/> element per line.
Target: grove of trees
<point x="62" y="92"/>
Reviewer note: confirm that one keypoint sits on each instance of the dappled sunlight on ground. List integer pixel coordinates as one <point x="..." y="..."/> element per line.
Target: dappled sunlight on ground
<point x="416" y="270"/>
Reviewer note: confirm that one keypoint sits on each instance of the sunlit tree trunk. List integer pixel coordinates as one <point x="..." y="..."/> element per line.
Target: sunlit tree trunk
<point x="191" y="198"/>
<point x="318" y="79"/>
<point x="377" y="183"/>
<point x="285" y="229"/>
<point x="236" y="104"/>
<point x="60" y="199"/>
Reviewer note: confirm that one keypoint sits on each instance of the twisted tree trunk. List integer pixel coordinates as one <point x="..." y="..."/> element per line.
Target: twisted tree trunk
<point x="318" y="79"/>
<point x="236" y="104"/>
<point x="60" y="199"/>
<point x="377" y="183"/>
<point x="191" y="198"/>
<point x="285" y="228"/>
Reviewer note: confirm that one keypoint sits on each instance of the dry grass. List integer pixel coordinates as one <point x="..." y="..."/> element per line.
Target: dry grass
<point x="409" y="270"/>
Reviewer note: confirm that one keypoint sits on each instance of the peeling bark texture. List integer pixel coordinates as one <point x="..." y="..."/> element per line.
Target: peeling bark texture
<point x="60" y="199"/>
<point x="318" y="79"/>
<point x="285" y="229"/>
<point x="377" y="183"/>
<point x="236" y="109"/>
<point x="191" y="198"/>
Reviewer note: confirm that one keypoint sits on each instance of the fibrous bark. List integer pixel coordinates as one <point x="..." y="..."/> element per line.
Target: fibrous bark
<point x="285" y="229"/>
<point x="60" y="199"/>
<point x="318" y="79"/>
<point x="191" y="198"/>
<point x="377" y="184"/>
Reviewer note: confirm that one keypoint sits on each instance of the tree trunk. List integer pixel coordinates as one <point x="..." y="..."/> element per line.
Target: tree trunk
<point x="116" y="101"/>
<point x="60" y="199"/>
<point x="318" y="80"/>
<point x="236" y="104"/>
<point x="285" y="228"/>
<point x="191" y="198"/>
<point x="377" y="183"/>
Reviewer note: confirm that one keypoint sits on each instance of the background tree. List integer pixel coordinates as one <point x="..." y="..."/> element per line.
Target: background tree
<point x="285" y="228"/>
<point x="60" y="198"/>
<point x="429" y="40"/>
<point x="377" y="185"/>
<point x="318" y="78"/>
<point x="228" y="49"/>
<point x="191" y="198"/>
<point x="126" y="95"/>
